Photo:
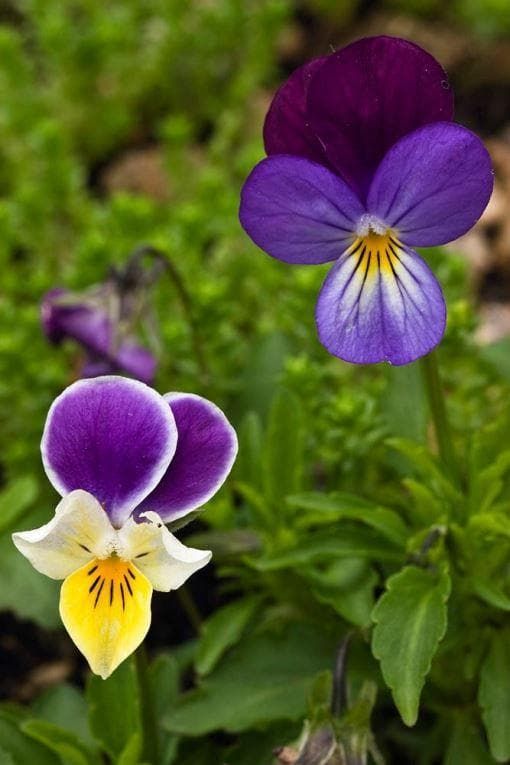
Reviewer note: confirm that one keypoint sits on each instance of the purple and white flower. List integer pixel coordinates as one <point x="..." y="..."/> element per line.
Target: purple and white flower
<point x="126" y="461"/>
<point x="365" y="165"/>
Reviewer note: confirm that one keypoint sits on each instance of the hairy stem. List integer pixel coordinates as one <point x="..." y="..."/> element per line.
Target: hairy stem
<point x="437" y="405"/>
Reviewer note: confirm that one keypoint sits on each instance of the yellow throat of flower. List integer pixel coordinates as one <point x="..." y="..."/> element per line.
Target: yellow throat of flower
<point x="376" y="253"/>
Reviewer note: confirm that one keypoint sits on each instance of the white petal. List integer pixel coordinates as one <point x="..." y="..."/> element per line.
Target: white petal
<point x="79" y="532"/>
<point x="165" y="561"/>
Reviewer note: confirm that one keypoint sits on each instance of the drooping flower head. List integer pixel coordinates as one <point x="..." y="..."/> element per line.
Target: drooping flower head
<point x="86" y="320"/>
<point x="364" y="165"/>
<point x="126" y="461"/>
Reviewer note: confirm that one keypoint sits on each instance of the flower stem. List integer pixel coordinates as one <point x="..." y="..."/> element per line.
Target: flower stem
<point x="190" y="608"/>
<point x="149" y="722"/>
<point x="435" y="395"/>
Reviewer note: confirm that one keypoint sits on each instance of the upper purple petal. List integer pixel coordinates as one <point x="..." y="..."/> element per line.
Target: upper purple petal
<point x="380" y="306"/>
<point x="206" y="450"/>
<point x="286" y="128"/>
<point x="298" y="211"/>
<point x="112" y="437"/>
<point x="367" y="96"/>
<point x="433" y="185"/>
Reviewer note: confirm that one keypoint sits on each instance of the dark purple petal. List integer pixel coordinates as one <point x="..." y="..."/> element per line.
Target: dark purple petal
<point x="206" y="450"/>
<point x="136" y="361"/>
<point x="298" y="211"/>
<point x="433" y="185"/>
<point x="112" y="437"/>
<point x="387" y="307"/>
<point x="367" y="96"/>
<point x="286" y="129"/>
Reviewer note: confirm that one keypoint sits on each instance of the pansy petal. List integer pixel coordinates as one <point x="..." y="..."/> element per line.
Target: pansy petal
<point x="66" y="315"/>
<point x="380" y="304"/>
<point x="165" y="561"/>
<point x="105" y="607"/>
<point x="286" y="129"/>
<point x="206" y="450"/>
<point x="79" y="532"/>
<point x="433" y="185"/>
<point x="368" y="95"/>
<point x="298" y="211"/>
<point x="137" y="361"/>
<point x="112" y="437"/>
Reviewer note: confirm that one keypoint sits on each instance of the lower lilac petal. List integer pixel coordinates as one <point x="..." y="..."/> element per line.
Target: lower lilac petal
<point x="112" y="437"/>
<point x="298" y="211"/>
<point x="206" y="450"/>
<point x="381" y="307"/>
<point x="286" y="128"/>
<point x="433" y="185"/>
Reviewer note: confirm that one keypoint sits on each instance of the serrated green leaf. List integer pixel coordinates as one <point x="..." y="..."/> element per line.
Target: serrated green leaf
<point x="489" y="592"/>
<point x="339" y="505"/>
<point x="494" y="695"/>
<point x="223" y="630"/>
<point x="347" y="586"/>
<point x="346" y="542"/>
<point x="69" y="747"/>
<point x="283" y="452"/>
<point x="114" y="708"/>
<point x="265" y="678"/>
<point x="410" y="620"/>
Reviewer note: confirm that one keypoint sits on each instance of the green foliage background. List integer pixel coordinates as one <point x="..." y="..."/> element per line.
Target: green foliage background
<point x="336" y="490"/>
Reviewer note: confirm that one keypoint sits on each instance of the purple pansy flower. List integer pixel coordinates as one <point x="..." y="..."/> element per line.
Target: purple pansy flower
<point x="364" y="165"/>
<point x="126" y="461"/>
<point x="85" y="320"/>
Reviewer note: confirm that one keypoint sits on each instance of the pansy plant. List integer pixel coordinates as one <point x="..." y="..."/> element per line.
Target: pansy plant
<point x="126" y="461"/>
<point x="364" y="165"/>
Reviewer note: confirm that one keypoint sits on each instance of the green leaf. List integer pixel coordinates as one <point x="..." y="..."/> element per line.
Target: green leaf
<point x="222" y="631"/>
<point x="130" y="755"/>
<point x="248" y="464"/>
<point x="466" y="746"/>
<point x="407" y="414"/>
<point x="283" y="452"/>
<point x="5" y="757"/>
<point x="164" y="687"/>
<point x="346" y="542"/>
<point x="21" y="747"/>
<point x="410" y="620"/>
<point x="348" y="586"/>
<point x="489" y="592"/>
<point x="494" y="695"/>
<point x="15" y="499"/>
<point x="325" y="508"/>
<point x="65" y="706"/>
<point x="30" y="594"/>
<point x="266" y="678"/>
<point x="114" y="708"/>
<point x="71" y="749"/>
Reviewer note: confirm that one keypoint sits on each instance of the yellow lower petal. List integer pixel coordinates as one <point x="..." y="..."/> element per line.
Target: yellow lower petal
<point x="105" y="607"/>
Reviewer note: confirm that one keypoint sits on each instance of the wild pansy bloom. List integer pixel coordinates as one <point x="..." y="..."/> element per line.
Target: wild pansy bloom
<point x="85" y="319"/>
<point x="125" y="461"/>
<point x="364" y="165"/>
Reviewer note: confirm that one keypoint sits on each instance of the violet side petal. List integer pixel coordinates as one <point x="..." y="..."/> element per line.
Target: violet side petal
<point x="206" y="450"/>
<point x="393" y="312"/>
<point x="433" y="185"/>
<point x="286" y="129"/>
<point x="298" y="211"/>
<point x="112" y="437"/>
<point x="137" y="361"/>
<point x="368" y="95"/>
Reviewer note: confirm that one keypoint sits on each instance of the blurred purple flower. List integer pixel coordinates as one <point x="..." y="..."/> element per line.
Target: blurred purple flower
<point x="364" y="165"/>
<point x="67" y="315"/>
<point x="126" y="461"/>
